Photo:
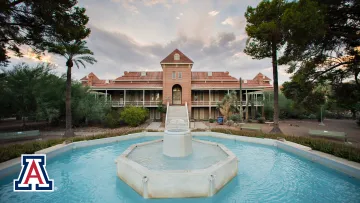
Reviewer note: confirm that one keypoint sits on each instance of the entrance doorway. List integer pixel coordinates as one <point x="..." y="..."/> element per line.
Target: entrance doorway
<point x="176" y="94"/>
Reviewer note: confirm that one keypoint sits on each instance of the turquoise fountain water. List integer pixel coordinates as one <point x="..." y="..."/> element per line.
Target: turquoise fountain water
<point x="266" y="174"/>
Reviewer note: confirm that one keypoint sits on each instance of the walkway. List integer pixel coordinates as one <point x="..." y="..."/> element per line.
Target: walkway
<point x="154" y="126"/>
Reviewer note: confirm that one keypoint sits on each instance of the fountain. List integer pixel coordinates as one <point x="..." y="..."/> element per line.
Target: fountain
<point x="177" y="166"/>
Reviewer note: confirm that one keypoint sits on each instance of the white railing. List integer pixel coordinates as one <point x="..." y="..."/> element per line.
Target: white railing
<point x="214" y="103"/>
<point x="167" y="112"/>
<point x="134" y="103"/>
<point x="187" y="115"/>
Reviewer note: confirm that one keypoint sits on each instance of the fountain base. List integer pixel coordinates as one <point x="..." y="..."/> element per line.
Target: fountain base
<point x="177" y="143"/>
<point x="202" y="174"/>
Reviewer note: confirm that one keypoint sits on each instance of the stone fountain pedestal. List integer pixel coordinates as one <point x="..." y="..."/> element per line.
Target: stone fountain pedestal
<point x="177" y="143"/>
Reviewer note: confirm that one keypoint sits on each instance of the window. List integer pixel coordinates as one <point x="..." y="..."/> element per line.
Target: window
<point x="173" y="75"/>
<point x="180" y="75"/>
<point x="176" y="57"/>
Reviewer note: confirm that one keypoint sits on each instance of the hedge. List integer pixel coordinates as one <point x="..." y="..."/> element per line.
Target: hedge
<point x="14" y="151"/>
<point x="342" y="150"/>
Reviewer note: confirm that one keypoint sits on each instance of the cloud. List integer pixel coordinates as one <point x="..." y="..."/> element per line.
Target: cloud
<point x="133" y="35"/>
<point x="236" y="22"/>
<point x="213" y="13"/>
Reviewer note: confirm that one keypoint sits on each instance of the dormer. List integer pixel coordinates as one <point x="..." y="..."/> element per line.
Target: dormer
<point x="176" y="57"/>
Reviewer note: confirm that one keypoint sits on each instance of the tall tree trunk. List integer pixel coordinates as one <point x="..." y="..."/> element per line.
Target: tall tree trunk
<point x="241" y="108"/>
<point x="276" y="129"/>
<point x="68" y="131"/>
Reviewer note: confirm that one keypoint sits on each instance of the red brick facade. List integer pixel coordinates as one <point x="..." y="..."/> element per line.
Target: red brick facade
<point x="200" y="90"/>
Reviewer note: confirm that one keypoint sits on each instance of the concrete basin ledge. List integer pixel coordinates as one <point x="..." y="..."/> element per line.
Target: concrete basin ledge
<point x="176" y="183"/>
<point x="342" y="165"/>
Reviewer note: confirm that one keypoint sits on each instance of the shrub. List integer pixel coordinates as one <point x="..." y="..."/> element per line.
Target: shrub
<point x="261" y="120"/>
<point x="235" y="117"/>
<point x="211" y="120"/>
<point x="249" y="121"/>
<point x="15" y="150"/>
<point x="312" y="116"/>
<point x="134" y="116"/>
<point x="342" y="150"/>
<point x="112" y="119"/>
<point x="229" y="123"/>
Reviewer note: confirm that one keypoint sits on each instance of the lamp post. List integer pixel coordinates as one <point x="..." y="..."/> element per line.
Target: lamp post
<point x="321" y="116"/>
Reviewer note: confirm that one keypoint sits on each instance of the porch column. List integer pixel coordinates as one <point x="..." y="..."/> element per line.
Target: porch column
<point x="143" y="97"/>
<point x="124" y="97"/>
<point x="228" y="91"/>
<point x="246" y="96"/>
<point x="209" y="103"/>
<point x="106" y="95"/>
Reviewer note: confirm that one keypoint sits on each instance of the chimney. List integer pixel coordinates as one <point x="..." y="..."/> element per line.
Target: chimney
<point x="90" y="81"/>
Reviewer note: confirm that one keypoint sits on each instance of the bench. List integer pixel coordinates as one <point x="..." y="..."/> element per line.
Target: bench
<point x="328" y="134"/>
<point x="250" y="127"/>
<point x="24" y="134"/>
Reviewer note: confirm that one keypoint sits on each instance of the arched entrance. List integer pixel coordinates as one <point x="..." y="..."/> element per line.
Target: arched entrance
<point x="176" y="94"/>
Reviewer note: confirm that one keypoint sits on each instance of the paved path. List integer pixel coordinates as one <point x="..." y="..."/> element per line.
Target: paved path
<point x="198" y="125"/>
<point x="154" y="126"/>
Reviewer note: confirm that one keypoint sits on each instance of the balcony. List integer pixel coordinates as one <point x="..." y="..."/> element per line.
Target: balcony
<point x="134" y="103"/>
<point x="214" y="103"/>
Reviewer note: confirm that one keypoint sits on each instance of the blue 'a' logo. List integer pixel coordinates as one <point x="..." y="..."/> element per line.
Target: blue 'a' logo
<point x="33" y="175"/>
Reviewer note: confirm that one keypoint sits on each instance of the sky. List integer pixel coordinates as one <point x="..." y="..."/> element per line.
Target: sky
<point x="135" y="35"/>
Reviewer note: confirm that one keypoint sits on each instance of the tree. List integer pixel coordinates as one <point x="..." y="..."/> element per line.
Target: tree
<point x="32" y="22"/>
<point x="91" y="108"/>
<point x="68" y="42"/>
<point x="267" y="34"/>
<point x="227" y="105"/>
<point x="323" y="41"/>
<point x="74" y="52"/>
<point x="347" y="97"/>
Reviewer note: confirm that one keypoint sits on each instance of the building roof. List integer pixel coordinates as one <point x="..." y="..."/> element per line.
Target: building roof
<point x="199" y="80"/>
<point x="151" y="75"/>
<point x="213" y="76"/>
<point x="261" y="76"/>
<point x="170" y="58"/>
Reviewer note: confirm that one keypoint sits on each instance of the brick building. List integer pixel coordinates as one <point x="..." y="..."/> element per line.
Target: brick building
<point x="177" y="84"/>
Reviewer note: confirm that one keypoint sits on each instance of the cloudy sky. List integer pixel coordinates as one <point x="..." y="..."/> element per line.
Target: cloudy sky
<point x="135" y="35"/>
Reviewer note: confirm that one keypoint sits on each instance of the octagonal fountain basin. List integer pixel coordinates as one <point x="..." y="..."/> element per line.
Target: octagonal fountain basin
<point x="154" y="175"/>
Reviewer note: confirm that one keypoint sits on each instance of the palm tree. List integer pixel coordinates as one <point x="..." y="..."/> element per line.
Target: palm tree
<point x="74" y="52"/>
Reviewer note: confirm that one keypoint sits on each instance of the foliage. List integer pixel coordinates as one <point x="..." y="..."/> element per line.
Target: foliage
<point x="134" y="116"/>
<point x="161" y="107"/>
<point x="235" y="117"/>
<point x="37" y="92"/>
<point x="91" y="108"/>
<point x="211" y="120"/>
<point x="342" y="150"/>
<point x="261" y="120"/>
<point x="229" y="123"/>
<point x="25" y="94"/>
<point x="112" y="119"/>
<point x="13" y="151"/>
<point x="347" y="97"/>
<point x="267" y="33"/>
<point x="358" y="121"/>
<point x="324" y="46"/>
<point x="227" y="105"/>
<point x="35" y="23"/>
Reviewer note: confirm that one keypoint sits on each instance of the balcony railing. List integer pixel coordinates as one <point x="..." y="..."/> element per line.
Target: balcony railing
<point x="134" y="103"/>
<point x="214" y="103"/>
